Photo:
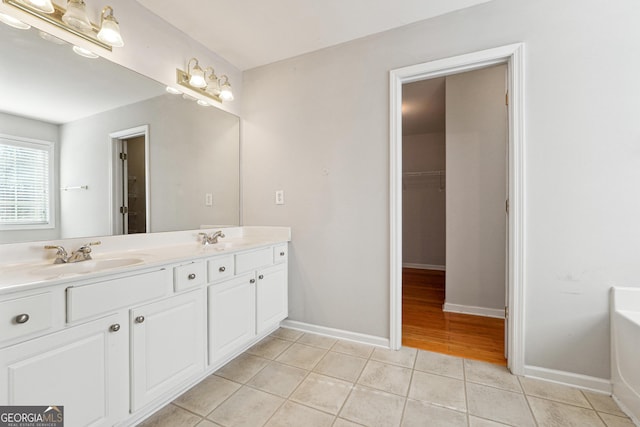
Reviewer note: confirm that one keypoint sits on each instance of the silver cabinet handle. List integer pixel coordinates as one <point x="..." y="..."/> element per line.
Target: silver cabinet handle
<point x="22" y="318"/>
<point x="222" y="269"/>
<point x="139" y="319"/>
<point x="281" y="253"/>
<point x="114" y="328"/>
<point x="252" y="281"/>
<point x="191" y="276"/>
<point x="261" y="277"/>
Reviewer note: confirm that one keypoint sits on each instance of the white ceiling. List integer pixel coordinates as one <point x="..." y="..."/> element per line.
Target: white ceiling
<point x="250" y="33"/>
<point x="423" y="107"/>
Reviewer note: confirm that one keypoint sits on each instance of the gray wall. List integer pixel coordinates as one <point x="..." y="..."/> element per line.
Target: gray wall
<point x="423" y="200"/>
<point x="476" y="123"/>
<point x="193" y="151"/>
<point x="34" y="129"/>
<point x="317" y="126"/>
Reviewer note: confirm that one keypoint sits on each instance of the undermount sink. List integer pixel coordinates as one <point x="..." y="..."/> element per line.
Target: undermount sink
<point x="90" y="266"/>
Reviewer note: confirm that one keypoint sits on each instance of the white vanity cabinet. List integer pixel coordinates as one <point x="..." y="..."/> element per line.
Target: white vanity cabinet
<point x="232" y="315"/>
<point x="167" y="345"/>
<point x="84" y="367"/>
<point x="271" y="296"/>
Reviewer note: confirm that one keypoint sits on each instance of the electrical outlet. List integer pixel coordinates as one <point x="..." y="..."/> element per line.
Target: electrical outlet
<point x="208" y="199"/>
<point x="280" y="197"/>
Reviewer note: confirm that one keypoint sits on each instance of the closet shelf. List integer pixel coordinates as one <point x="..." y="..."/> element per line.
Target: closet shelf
<point x="425" y="173"/>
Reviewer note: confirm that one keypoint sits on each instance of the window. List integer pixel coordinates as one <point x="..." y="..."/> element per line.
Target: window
<point x="26" y="181"/>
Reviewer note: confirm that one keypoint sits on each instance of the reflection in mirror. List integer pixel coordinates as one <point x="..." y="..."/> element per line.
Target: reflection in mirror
<point x="182" y="165"/>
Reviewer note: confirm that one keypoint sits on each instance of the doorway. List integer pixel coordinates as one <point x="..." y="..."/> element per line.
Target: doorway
<point x="512" y="56"/>
<point x="454" y="131"/>
<point x="130" y="181"/>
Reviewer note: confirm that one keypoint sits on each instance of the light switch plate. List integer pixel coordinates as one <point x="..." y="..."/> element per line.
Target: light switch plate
<point x="208" y="199"/>
<point x="280" y="197"/>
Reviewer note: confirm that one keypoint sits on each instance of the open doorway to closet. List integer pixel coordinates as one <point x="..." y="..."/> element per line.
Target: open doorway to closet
<point x="454" y="189"/>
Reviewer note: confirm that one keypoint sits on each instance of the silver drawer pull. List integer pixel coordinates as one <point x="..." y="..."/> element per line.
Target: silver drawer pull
<point x="115" y="327"/>
<point x="222" y="269"/>
<point x="22" y="318"/>
<point x="191" y="276"/>
<point x="281" y="253"/>
<point x="261" y="277"/>
<point x="252" y="281"/>
<point x="139" y="319"/>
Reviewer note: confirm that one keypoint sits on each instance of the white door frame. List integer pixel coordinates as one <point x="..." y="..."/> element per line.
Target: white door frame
<point x="114" y="191"/>
<point x="513" y="56"/>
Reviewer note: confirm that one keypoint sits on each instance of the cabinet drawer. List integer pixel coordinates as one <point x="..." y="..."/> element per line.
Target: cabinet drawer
<point x="189" y="276"/>
<point x="26" y="315"/>
<point x="280" y="253"/>
<point x="220" y="268"/>
<point x="101" y="297"/>
<point x="249" y="261"/>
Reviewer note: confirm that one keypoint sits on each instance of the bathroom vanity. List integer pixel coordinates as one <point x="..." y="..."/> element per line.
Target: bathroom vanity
<point x="115" y="338"/>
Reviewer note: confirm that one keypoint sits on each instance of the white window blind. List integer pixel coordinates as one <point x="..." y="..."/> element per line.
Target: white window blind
<point x="25" y="183"/>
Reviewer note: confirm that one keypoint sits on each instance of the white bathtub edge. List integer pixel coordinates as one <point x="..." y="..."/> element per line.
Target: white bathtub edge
<point x="627" y="411"/>
<point x="584" y="382"/>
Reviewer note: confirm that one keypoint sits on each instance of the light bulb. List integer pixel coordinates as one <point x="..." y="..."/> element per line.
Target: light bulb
<point x="225" y="90"/>
<point x="76" y="15"/>
<point x="42" y="5"/>
<point x="109" y="29"/>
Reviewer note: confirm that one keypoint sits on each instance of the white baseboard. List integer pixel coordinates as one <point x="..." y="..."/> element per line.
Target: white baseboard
<point x="476" y="311"/>
<point x="424" y="266"/>
<point x="336" y="333"/>
<point x="585" y="382"/>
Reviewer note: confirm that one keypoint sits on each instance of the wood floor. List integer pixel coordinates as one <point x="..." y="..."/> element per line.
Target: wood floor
<point x="426" y="326"/>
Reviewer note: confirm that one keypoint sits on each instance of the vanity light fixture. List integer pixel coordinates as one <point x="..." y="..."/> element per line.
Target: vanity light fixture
<point x="76" y="15"/>
<point x="205" y="82"/>
<point x="109" y="28"/>
<point x="13" y="22"/>
<point x="74" y="20"/>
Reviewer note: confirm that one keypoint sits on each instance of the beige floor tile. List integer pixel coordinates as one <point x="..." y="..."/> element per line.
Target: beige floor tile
<point x="385" y="377"/>
<point x="294" y="415"/>
<point x="322" y="392"/>
<point x="279" y="379"/>
<point x="420" y="414"/>
<point x="604" y="403"/>
<point x="171" y="416"/>
<point x="552" y="391"/>
<point x="207" y="423"/>
<point x="353" y="349"/>
<point x="269" y="348"/>
<point x="317" y="341"/>
<point x="341" y="366"/>
<point x="616" y="421"/>
<point x="341" y="422"/>
<point x="499" y="405"/>
<point x="242" y="368"/>
<point x="441" y="364"/>
<point x="405" y="357"/>
<point x="287" y="334"/>
<point x="246" y="408"/>
<point x="554" y="414"/>
<point x="481" y="422"/>
<point x="491" y="375"/>
<point x="302" y="356"/>
<point x="373" y="408"/>
<point x="439" y="390"/>
<point x="207" y="395"/>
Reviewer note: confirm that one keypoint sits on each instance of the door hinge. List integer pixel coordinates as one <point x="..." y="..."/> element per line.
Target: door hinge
<point x="506" y="98"/>
<point x="506" y="312"/>
<point x="124" y="210"/>
<point x="506" y="206"/>
<point x="123" y="156"/>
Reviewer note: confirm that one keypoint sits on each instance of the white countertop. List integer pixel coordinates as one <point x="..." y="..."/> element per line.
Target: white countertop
<point x="158" y="249"/>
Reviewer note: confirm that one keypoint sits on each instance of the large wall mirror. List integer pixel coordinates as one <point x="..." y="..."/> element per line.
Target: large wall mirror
<point x="180" y="167"/>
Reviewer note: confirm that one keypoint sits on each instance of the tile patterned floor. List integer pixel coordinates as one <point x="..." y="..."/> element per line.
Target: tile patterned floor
<point x="294" y="379"/>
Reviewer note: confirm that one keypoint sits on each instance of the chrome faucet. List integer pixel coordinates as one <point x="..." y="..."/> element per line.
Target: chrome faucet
<point x="82" y="254"/>
<point x="209" y="239"/>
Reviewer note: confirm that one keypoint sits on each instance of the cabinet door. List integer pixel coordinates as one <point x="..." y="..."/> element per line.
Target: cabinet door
<point x="232" y="315"/>
<point x="167" y="345"/>
<point x="272" y="296"/>
<point x="84" y="368"/>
